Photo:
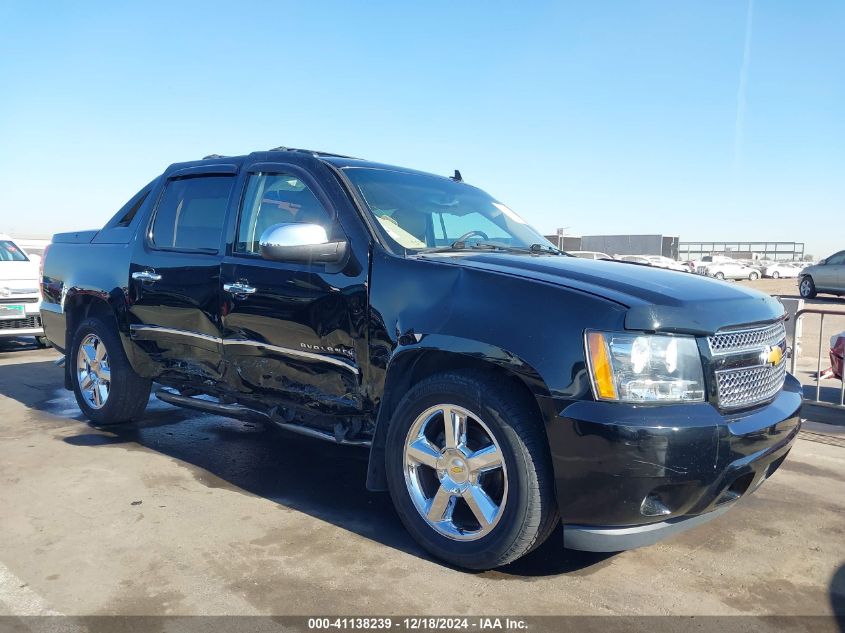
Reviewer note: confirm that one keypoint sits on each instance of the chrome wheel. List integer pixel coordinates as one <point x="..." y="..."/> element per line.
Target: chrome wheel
<point x="93" y="374"/>
<point x="455" y="472"/>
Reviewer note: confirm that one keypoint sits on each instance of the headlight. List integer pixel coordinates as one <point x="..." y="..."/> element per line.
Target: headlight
<point x="629" y="367"/>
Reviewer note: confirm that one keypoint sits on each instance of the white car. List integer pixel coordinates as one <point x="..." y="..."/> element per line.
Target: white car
<point x="665" y="262"/>
<point x="776" y="271"/>
<point x="590" y="254"/>
<point x="19" y="293"/>
<point x="708" y="260"/>
<point x="636" y="259"/>
<point x="731" y="270"/>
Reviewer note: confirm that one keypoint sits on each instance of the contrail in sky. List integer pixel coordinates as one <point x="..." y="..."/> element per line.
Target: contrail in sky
<point x="739" y="123"/>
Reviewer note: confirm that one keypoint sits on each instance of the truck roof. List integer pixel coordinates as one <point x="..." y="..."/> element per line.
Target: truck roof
<point x="278" y="154"/>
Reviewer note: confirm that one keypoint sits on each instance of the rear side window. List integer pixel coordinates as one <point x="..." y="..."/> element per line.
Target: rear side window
<point x="127" y="216"/>
<point x="191" y="213"/>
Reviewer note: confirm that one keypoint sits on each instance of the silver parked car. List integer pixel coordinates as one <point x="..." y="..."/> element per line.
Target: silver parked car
<point x="828" y="276"/>
<point x="731" y="270"/>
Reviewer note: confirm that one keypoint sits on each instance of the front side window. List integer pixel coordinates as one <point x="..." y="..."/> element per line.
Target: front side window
<point x="191" y="213"/>
<point x="9" y="252"/>
<point x="420" y="211"/>
<point x="276" y="199"/>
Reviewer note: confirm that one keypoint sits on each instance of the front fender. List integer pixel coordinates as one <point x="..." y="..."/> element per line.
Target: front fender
<point x="531" y="329"/>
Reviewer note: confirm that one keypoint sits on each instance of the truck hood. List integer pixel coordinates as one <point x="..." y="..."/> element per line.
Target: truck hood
<point x="658" y="299"/>
<point x="18" y="274"/>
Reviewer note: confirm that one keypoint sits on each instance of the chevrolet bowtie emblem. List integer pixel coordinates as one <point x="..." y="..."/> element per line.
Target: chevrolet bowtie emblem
<point x="456" y="470"/>
<point x="774" y="355"/>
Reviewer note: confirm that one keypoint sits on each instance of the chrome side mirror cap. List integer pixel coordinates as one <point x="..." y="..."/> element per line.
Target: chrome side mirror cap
<point x="301" y="243"/>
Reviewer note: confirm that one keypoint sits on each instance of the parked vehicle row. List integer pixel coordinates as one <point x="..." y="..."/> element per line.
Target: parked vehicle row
<point x="658" y="261"/>
<point x="362" y="304"/>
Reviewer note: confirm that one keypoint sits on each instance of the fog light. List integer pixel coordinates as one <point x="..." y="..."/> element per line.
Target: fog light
<point x="653" y="507"/>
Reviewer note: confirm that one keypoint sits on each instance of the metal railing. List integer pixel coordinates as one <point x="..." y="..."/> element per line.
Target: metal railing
<point x="796" y="349"/>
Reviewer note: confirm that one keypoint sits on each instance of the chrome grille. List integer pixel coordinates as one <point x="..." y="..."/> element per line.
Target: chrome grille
<point x="744" y="340"/>
<point x="749" y="377"/>
<point x="749" y="386"/>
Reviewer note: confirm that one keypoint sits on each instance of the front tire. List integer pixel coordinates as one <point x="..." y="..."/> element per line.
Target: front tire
<point x="107" y="389"/>
<point x="776" y="275"/>
<point x="469" y="470"/>
<point x="753" y="276"/>
<point x="807" y="288"/>
<point x="720" y="275"/>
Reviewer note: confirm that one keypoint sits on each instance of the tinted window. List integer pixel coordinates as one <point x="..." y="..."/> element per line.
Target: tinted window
<point x="191" y="213"/>
<point x="276" y="199"/>
<point x="128" y="215"/>
<point x="129" y="210"/>
<point x="836" y="260"/>
<point x="9" y="252"/>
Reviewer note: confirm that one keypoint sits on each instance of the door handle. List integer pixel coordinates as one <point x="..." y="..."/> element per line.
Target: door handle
<point x="239" y="288"/>
<point x="146" y="276"/>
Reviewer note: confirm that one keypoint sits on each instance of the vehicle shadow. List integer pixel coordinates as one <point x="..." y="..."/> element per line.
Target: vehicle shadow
<point x="318" y="478"/>
<point x="18" y="344"/>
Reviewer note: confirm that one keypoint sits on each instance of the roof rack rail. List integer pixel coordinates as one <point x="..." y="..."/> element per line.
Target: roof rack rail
<point x="313" y="152"/>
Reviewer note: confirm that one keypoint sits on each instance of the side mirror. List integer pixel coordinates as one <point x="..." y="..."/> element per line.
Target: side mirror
<point x="300" y="243"/>
<point x="822" y="262"/>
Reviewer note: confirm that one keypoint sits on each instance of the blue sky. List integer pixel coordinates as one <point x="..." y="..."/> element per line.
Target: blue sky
<point x="606" y="117"/>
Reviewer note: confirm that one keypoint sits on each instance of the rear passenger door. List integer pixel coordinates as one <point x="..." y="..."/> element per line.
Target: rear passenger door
<point x="175" y="274"/>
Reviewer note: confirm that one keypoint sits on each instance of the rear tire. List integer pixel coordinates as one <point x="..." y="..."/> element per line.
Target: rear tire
<point x="754" y="276"/>
<point x="426" y="467"/>
<point x="107" y="389"/>
<point x="720" y="275"/>
<point x="776" y="275"/>
<point x="807" y="287"/>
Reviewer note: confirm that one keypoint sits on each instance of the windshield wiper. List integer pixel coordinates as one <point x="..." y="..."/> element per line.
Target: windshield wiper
<point x="463" y="246"/>
<point x="534" y="249"/>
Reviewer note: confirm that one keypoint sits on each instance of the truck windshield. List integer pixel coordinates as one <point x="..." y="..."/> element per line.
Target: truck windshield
<point x="423" y="212"/>
<point x="9" y="252"/>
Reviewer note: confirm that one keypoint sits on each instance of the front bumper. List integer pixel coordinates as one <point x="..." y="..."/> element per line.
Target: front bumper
<point x="629" y="475"/>
<point x="29" y="323"/>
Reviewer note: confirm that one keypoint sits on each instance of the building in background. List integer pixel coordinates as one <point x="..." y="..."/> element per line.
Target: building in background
<point x="618" y="244"/>
<point x="772" y="251"/>
<point x="672" y="247"/>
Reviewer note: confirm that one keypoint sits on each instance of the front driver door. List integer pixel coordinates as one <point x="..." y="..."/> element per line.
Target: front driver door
<point x="294" y="333"/>
<point x="175" y="275"/>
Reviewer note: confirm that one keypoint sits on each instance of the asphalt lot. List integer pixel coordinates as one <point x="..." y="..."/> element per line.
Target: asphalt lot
<point x="185" y="513"/>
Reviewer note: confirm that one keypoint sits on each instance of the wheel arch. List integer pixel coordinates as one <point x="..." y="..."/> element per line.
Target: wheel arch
<point x="407" y="367"/>
<point x="81" y="305"/>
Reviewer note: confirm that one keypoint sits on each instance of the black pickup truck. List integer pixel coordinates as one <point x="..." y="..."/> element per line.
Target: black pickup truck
<point x="500" y="385"/>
